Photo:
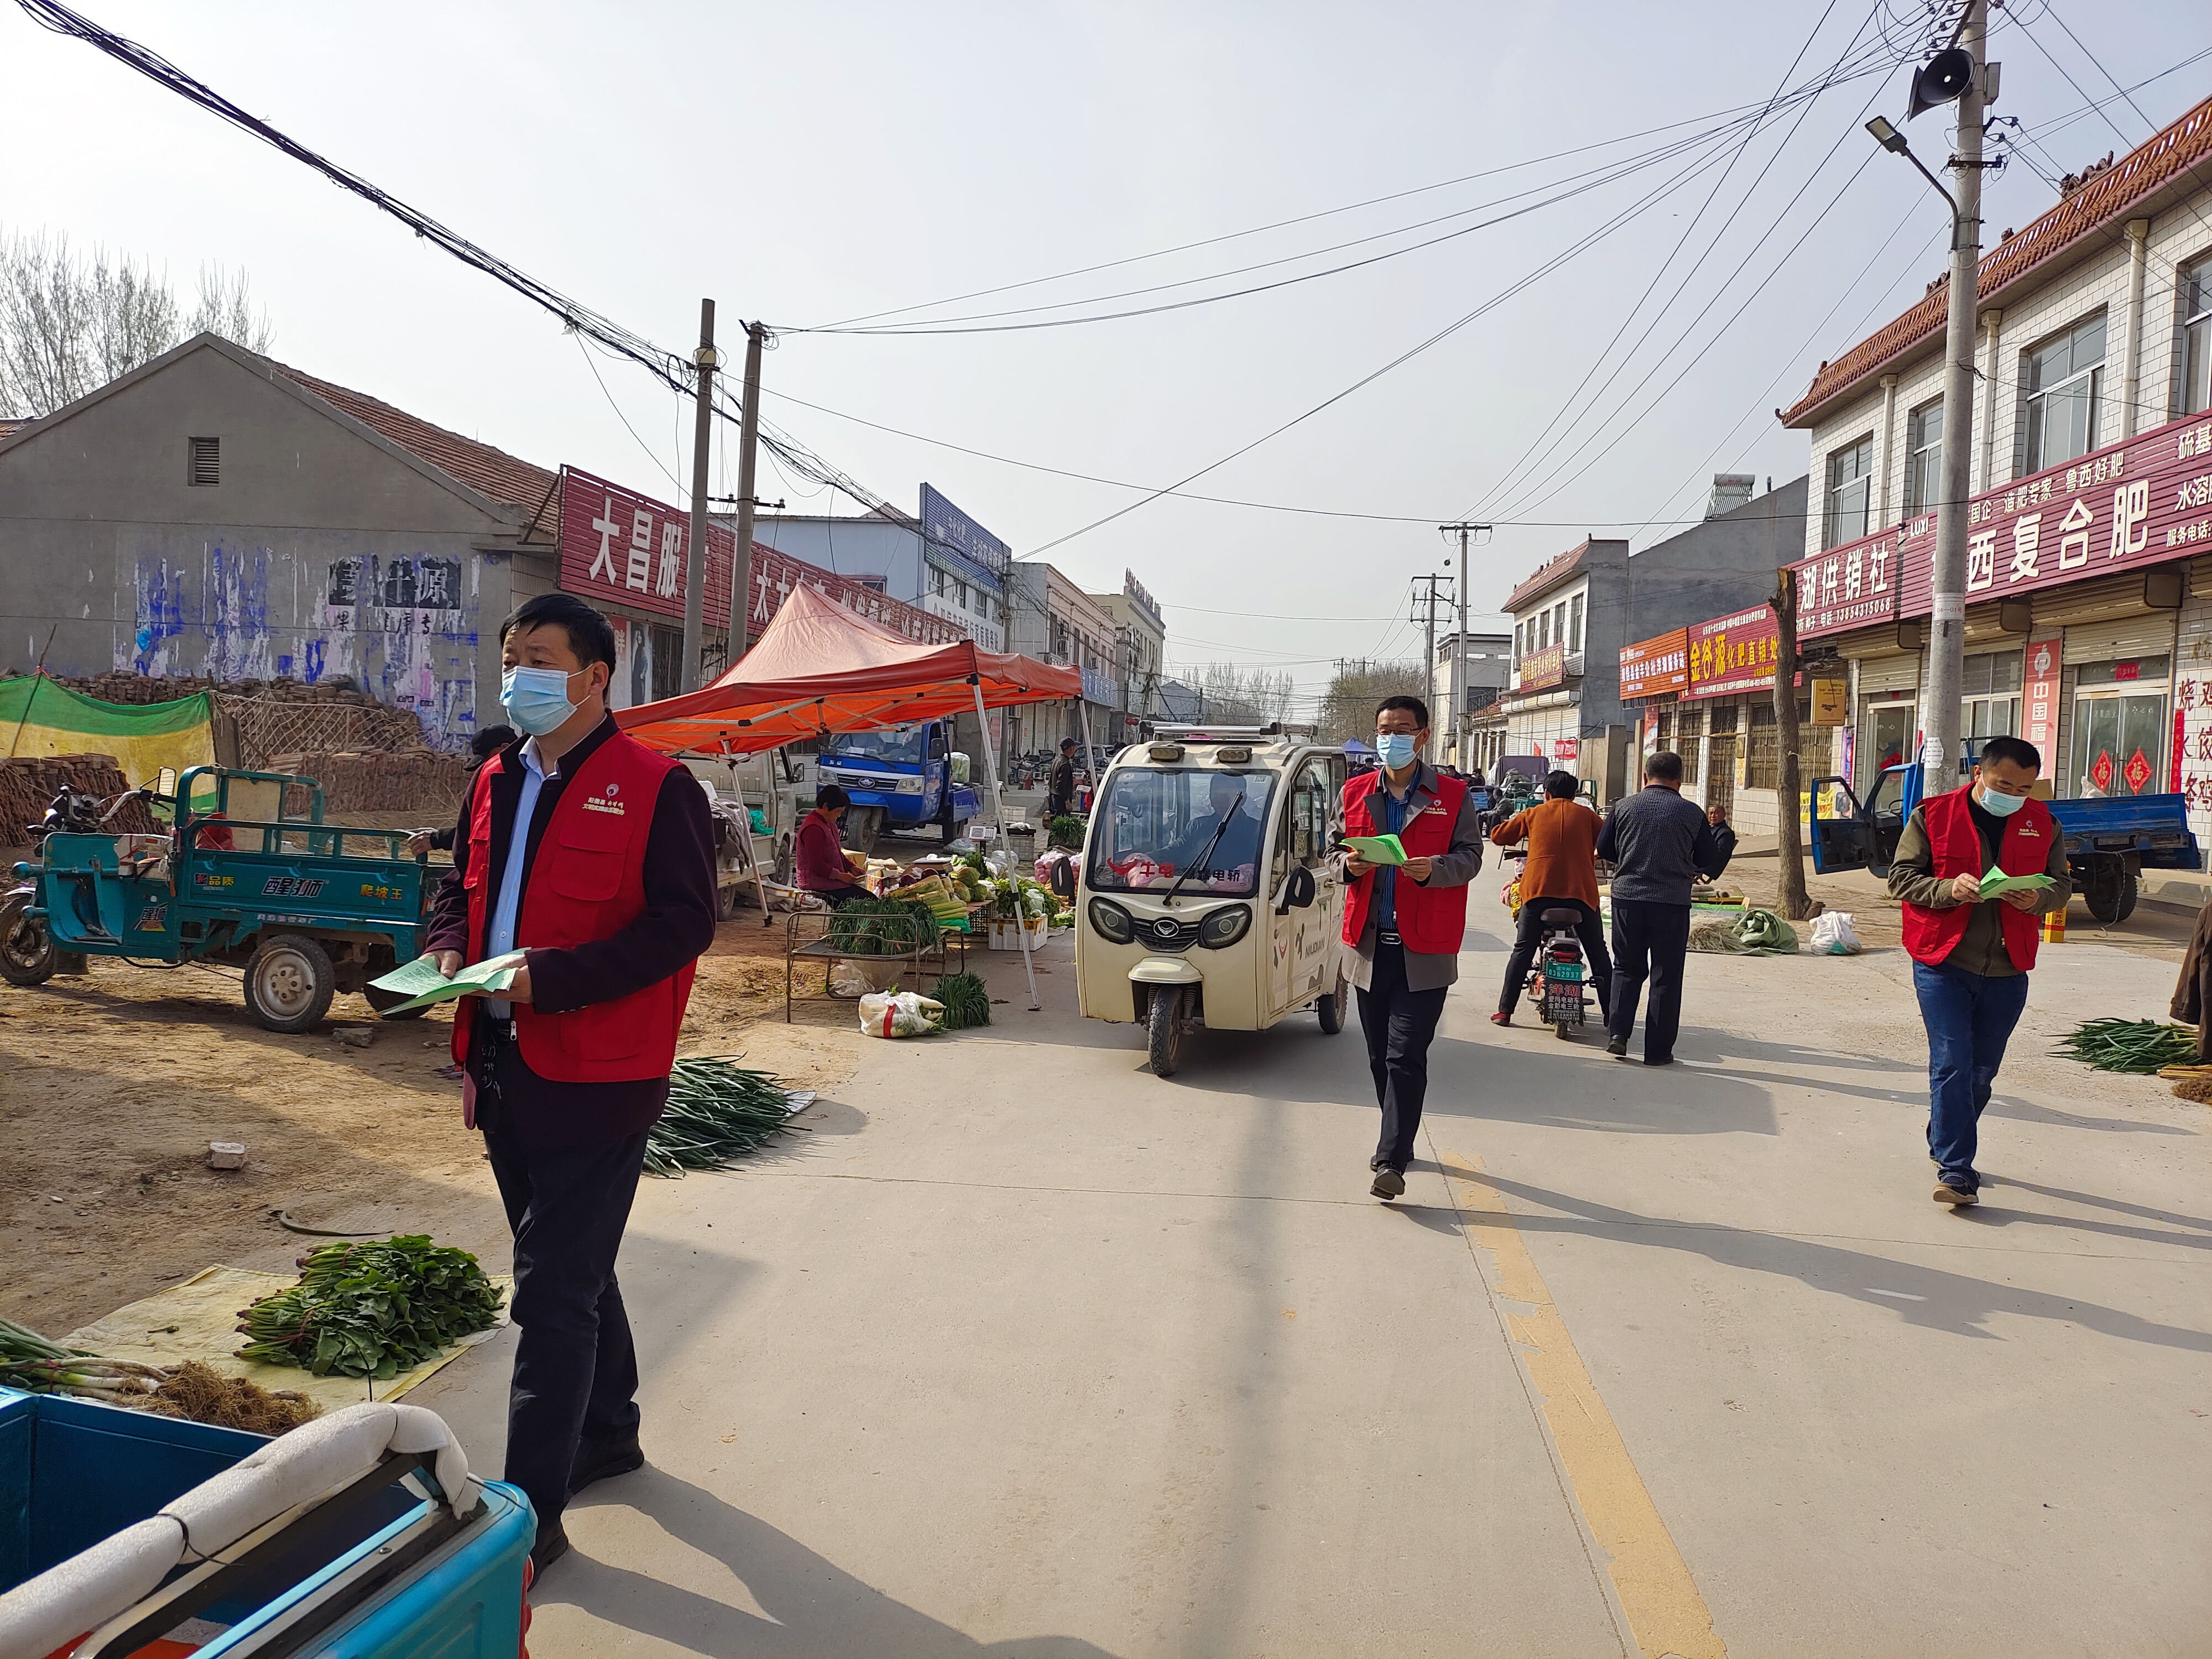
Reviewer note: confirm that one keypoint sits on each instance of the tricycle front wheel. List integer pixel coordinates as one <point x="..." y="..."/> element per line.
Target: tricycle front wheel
<point x="1164" y="1030"/>
<point x="289" y="983"/>
<point x="27" y="956"/>
<point x="1330" y="1008"/>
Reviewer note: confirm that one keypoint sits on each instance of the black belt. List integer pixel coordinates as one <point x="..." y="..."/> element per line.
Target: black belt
<point x="1388" y="939"/>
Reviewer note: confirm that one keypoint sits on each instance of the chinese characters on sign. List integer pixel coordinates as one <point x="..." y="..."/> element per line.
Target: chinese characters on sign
<point x="625" y="549"/>
<point x="2191" y="770"/>
<point x="1566" y="748"/>
<point x="1651" y="667"/>
<point x="2132" y="505"/>
<point x="1734" y="654"/>
<point x="2039" y="688"/>
<point x="1545" y="667"/>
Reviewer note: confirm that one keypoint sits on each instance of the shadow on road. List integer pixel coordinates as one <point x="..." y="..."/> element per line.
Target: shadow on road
<point x="1928" y="1296"/>
<point x="813" y="1605"/>
<point x="2027" y="1111"/>
<point x="1577" y="1085"/>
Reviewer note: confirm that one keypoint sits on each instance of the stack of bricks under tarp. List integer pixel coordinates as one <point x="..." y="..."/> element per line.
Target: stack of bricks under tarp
<point x="273" y="715"/>
<point x="425" y="781"/>
<point x="29" y="783"/>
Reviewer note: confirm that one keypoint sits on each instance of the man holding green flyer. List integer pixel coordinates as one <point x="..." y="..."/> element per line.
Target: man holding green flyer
<point x="1975" y="869"/>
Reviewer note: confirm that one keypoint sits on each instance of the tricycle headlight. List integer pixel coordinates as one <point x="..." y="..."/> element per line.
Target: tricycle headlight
<point x="909" y="786"/>
<point x="1225" y="927"/>
<point x="1111" y="922"/>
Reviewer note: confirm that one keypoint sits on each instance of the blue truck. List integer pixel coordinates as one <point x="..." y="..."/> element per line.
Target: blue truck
<point x="342" y="1558"/>
<point x="2109" y="840"/>
<point x="902" y="777"/>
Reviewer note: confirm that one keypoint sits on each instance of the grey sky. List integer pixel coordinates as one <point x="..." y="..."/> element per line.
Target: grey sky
<point x="806" y="164"/>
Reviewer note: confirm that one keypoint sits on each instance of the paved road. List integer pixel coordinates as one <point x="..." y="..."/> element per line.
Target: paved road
<point x="1024" y="1352"/>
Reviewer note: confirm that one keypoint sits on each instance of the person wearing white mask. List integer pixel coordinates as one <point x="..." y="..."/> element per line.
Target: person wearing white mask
<point x="594" y="856"/>
<point x="1971" y="955"/>
<point x="1403" y="923"/>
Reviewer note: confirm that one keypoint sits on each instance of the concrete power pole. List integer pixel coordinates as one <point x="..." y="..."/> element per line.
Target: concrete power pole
<point x="1947" y="655"/>
<point x="695" y="564"/>
<point x="1428" y="598"/>
<point x="1459" y="654"/>
<point x="741" y="567"/>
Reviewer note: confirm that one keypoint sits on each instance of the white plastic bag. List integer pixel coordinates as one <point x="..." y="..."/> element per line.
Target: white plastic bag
<point x="1834" y="936"/>
<point x="900" y="1014"/>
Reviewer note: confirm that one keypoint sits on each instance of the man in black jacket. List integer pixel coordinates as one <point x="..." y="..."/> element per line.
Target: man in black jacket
<point x="1658" y="845"/>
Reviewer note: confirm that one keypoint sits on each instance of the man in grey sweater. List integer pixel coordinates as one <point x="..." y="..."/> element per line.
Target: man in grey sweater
<point x="1658" y="845"/>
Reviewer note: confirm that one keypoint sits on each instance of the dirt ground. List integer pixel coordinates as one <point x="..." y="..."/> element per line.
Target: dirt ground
<point x="116" y="1081"/>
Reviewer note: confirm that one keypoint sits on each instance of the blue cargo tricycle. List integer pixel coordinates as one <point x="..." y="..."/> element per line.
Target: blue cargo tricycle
<point x="246" y="875"/>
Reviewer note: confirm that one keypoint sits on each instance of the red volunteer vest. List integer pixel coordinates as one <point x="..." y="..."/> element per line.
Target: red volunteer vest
<point x="1931" y="935"/>
<point x="1430" y="919"/>
<point x="586" y="882"/>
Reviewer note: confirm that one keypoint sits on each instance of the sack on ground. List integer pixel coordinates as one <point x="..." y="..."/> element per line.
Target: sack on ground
<point x="1755" y="933"/>
<point x="1833" y="935"/>
<point x="900" y="1014"/>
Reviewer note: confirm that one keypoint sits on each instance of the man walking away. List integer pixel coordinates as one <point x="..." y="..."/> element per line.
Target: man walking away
<point x="1060" y="783"/>
<point x="1561" y="873"/>
<point x="1971" y="955"/>
<point x="594" y="856"/>
<point x="1658" y="845"/>
<point x="1404" y="922"/>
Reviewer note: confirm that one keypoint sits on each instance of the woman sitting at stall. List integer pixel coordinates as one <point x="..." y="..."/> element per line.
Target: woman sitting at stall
<point x="825" y="868"/>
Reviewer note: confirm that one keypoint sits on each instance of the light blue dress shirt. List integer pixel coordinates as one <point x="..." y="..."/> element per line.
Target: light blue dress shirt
<point x="500" y="932"/>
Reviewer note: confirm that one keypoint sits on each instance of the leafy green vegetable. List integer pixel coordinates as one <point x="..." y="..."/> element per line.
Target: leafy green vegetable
<point x="2131" y="1045"/>
<point x="884" y="927"/>
<point x="371" y="1310"/>
<point x="967" y="1001"/>
<point x="1066" y="830"/>
<point x="717" y="1112"/>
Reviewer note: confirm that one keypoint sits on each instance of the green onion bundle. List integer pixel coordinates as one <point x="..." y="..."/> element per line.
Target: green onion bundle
<point x="30" y="1363"/>
<point x="717" y="1112"/>
<point x="967" y="1001"/>
<point x="370" y="1310"/>
<point x="875" y="927"/>
<point x="2131" y="1045"/>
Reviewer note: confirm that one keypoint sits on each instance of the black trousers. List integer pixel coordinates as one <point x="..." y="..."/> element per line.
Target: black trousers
<point x="1649" y="941"/>
<point x="1398" y="1022"/>
<point x="1591" y="930"/>
<point x="576" y="1371"/>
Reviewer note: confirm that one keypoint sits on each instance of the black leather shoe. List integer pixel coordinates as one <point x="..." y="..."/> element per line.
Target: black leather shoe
<point x="597" y="1460"/>
<point x="552" y="1544"/>
<point x="1617" y="1047"/>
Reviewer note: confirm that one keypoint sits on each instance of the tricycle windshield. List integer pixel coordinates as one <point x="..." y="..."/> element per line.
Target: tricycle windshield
<point x="901" y="746"/>
<point x="1154" y="825"/>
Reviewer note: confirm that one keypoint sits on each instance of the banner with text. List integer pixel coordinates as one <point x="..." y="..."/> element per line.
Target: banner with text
<point x="2126" y="506"/>
<point x="1651" y="667"/>
<point x="1544" y="667"/>
<point x="1731" y="655"/>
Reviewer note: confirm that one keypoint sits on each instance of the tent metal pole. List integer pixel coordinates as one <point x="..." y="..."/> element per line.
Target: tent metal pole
<point x="999" y="807"/>
<point x="1090" y="755"/>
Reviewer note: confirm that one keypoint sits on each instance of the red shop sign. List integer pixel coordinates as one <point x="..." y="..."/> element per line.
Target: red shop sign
<point x="1734" y="654"/>
<point x="2124" y="508"/>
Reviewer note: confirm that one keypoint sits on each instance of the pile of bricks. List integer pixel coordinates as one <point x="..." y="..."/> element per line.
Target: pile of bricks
<point x="426" y="782"/>
<point x="29" y="785"/>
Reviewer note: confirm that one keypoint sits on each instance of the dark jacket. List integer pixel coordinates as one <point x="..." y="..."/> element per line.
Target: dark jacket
<point x="1658" y="845"/>
<point x="1913" y="880"/>
<point x="1060" y="783"/>
<point x="2192" y="992"/>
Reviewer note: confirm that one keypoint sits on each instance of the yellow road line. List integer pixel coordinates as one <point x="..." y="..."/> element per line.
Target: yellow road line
<point x="1666" y="1614"/>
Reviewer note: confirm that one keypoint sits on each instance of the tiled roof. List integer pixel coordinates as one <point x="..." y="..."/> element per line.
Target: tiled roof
<point x="1556" y="570"/>
<point x="488" y="471"/>
<point x="2090" y="209"/>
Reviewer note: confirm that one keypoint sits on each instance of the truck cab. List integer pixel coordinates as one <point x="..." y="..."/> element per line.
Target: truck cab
<point x="901" y="777"/>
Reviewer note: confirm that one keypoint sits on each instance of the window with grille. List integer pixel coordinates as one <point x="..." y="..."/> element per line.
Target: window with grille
<point x="1851" y="485"/>
<point x="1689" y="735"/>
<point x="1991" y="705"/>
<point x="1923" y="459"/>
<point x="2062" y="382"/>
<point x="2196" y="342"/>
<point x="1762" y="754"/>
<point x="206" y="461"/>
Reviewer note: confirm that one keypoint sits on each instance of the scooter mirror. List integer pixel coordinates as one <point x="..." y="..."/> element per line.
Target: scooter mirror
<point x="1299" y="891"/>
<point x="1063" y="878"/>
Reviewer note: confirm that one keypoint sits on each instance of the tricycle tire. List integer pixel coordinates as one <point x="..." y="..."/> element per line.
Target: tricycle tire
<point x="1164" y="1030"/>
<point x="862" y="826"/>
<point x="27" y="956"/>
<point x="1330" y="1008"/>
<point x="379" y="1001"/>
<point x="2129" y="890"/>
<point x="2105" y="896"/>
<point x="289" y="982"/>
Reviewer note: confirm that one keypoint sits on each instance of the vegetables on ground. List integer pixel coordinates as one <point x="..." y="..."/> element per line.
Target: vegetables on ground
<point x="717" y="1112"/>
<point x="2131" y="1045"/>
<point x="370" y="1310"/>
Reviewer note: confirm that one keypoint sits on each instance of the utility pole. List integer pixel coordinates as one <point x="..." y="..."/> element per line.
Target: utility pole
<point x="1947" y="654"/>
<point x="1459" y="655"/>
<point x="741" y="567"/>
<point x="695" y="563"/>
<point x="1429" y="641"/>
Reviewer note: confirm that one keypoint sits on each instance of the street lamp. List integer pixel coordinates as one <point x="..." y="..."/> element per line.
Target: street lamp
<point x="1894" y="141"/>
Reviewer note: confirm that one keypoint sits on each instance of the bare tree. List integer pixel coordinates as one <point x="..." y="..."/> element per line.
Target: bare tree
<point x="1348" y="709"/>
<point x="69" y="325"/>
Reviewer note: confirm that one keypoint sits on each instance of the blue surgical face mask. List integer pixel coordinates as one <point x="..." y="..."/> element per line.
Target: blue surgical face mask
<point x="1396" y="749"/>
<point x="537" y="699"/>
<point x="2002" y="804"/>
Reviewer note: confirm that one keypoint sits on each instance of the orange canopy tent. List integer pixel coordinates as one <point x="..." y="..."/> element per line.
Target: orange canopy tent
<point x="818" y="667"/>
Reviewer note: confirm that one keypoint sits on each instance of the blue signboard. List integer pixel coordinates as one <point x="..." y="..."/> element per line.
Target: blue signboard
<point x="956" y="540"/>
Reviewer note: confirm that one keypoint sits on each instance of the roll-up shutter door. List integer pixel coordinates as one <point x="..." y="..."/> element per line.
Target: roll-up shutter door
<point x="2107" y="599"/>
<point x="1879" y="675"/>
<point x="1985" y="627"/>
<point x="2150" y="635"/>
<point x="2200" y="578"/>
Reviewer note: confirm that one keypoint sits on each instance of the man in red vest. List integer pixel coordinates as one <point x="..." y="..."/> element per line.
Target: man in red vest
<point x="1971" y="955"/>
<point x="1404" y="922"/>
<point x="595" y="857"/>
